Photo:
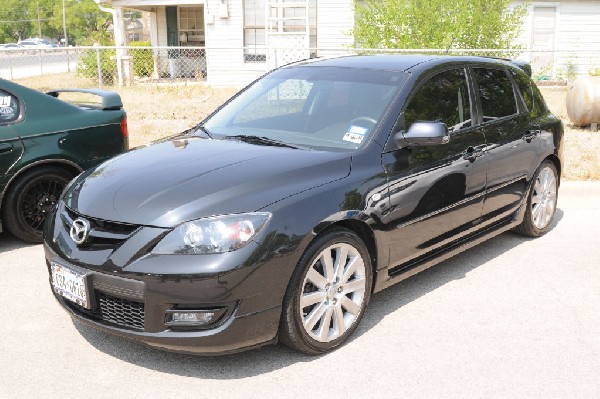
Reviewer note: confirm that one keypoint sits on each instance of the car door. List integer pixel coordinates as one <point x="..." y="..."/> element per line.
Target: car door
<point x="510" y="139"/>
<point x="11" y="147"/>
<point x="435" y="191"/>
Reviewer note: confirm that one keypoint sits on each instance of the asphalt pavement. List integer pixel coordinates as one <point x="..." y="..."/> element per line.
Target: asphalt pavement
<point x="511" y="318"/>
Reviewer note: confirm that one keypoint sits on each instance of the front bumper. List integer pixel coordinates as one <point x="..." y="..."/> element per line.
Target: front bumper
<point x="131" y="291"/>
<point x="135" y="307"/>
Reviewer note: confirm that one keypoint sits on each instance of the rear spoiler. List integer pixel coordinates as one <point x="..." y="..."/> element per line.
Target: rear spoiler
<point x="524" y="65"/>
<point x="110" y="99"/>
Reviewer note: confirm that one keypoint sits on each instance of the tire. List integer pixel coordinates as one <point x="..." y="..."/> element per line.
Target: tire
<point x="319" y="296"/>
<point x="30" y="198"/>
<point x="541" y="202"/>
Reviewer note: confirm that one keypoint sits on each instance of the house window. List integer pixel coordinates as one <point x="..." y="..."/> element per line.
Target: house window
<point x="292" y="17"/>
<point x="254" y="31"/>
<point x="191" y="26"/>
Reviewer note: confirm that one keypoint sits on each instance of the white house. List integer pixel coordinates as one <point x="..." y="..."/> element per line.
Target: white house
<point x="562" y="34"/>
<point x="237" y="33"/>
<point x="245" y="38"/>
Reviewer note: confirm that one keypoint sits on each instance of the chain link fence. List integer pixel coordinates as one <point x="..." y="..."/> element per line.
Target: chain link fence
<point x="123" y="66"/>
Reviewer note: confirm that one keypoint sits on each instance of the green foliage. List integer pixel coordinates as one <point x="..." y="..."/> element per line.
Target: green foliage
<point x="437" y="24"/>
<point x="143" y="62"/>
<point x="87" y="63"/>
<point x="594" y="71"/>
<point x="21" y="19"/>
<point x="84" y="19"/>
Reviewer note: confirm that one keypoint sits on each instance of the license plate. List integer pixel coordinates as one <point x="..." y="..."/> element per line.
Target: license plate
<point x="69" y="284"/>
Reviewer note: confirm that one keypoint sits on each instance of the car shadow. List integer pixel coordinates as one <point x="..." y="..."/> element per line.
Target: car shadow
<point x="270" y="358"/>
<point x="10" y="243"/>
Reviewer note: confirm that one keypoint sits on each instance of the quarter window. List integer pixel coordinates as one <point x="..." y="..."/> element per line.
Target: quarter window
<point x="525" y="89"/>
<point x="496" y="93"/>
<point x="9" y="108"/>
<point x="444" y="98"/>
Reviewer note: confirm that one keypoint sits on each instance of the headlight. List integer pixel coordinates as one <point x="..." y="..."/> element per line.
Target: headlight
<point x="213" y="235"/>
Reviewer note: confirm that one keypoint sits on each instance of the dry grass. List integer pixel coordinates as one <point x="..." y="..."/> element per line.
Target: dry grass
<point x="158" y="110"/>
<point x="581" y="146"/>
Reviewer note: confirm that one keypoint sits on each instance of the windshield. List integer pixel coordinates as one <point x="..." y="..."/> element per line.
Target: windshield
<point x="311" y="106"/>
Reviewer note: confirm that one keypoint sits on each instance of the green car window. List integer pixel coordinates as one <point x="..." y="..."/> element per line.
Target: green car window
<point x="9" y="108"/>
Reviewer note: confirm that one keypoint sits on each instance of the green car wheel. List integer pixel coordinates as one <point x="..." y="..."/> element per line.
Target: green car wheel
<point x="29" y="200"/>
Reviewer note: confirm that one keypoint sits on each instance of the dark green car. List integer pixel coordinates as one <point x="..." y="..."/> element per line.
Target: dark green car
<point x="44" y="143"/>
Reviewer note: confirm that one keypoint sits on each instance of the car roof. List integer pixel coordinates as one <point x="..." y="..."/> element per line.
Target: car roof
<point x="403" y="63"/>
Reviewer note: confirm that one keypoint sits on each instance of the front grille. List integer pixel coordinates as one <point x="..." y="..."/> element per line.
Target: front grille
<point x="112" y="310"/>
<point x="103" y="234"/>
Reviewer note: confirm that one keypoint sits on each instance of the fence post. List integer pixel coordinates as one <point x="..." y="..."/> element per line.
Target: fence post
<point x="41" y="62"/>
<point x="68" y="61"/>
<point x="99" y="68"/>
<point x="10" y="65"/>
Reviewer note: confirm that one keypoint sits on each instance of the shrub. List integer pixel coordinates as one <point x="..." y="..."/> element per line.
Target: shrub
<point x="143" y="63"/>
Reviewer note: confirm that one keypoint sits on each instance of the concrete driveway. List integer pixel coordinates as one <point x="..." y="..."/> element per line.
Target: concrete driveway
<point x="510" y="318"/>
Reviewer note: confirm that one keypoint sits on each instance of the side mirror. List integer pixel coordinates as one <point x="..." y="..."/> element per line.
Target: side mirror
<point x="423" y="133"/>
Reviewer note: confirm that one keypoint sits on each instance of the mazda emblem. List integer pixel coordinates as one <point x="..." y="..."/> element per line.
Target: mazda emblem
<point x="79" y="230"/>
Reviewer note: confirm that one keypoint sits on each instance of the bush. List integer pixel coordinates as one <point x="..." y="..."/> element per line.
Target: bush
<point x="87" y="65"/>
<point x="143" y="62"/>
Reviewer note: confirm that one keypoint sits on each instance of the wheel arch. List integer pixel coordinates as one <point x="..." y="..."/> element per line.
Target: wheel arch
<point x="363" y="231"/>
<point x="556" y="161"/>
<point x="67" y="165"/>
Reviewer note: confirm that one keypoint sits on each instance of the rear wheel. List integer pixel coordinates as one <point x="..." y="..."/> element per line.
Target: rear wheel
<point x="30" y="198"/>
<point x="328" y="293"/>
<point x="541" y="203"/>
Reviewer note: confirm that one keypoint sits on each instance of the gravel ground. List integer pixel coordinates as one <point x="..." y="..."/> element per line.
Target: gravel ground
<point x="510" y="318"/>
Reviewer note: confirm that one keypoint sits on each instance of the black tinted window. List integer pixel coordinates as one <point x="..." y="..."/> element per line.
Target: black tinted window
<point x="443" y="98"/>
<point x="9" y="107"/>
<point x="496" y="93"/>
<point x="525" y="88"/>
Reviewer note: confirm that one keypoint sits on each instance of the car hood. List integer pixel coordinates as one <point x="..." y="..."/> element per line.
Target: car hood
<point x="177" y="180"/>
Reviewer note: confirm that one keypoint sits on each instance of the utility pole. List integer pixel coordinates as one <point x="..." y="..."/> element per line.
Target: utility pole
<point x="65" y="24"/>
<point x="39" y="20"/>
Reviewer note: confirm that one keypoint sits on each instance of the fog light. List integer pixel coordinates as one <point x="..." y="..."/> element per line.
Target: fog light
<point x="193" y="318"/>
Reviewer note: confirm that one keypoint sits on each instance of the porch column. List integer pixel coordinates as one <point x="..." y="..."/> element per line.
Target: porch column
<point x="119" y="33"/>
<point x="154" y="41"/>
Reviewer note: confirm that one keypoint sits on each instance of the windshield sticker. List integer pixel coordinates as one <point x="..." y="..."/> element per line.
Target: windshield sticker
<point x="355" y="134"/>
<point x="5" y="101"/>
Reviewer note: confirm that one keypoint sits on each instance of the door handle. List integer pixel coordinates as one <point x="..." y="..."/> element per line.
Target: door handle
<point x="531" y="134"/>
<point x="473" y="153"/>
<point x="4" y="148"/>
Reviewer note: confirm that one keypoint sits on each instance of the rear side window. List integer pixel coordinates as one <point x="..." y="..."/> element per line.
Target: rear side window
<point x="9" y="108"/>
<point x="525" y="88"/>
<point x="496" y="93"/>
<point x="443" y="98"/>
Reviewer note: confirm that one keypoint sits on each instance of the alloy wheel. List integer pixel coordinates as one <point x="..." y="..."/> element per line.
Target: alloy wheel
<point x="333" y="292"/>
<point x="543" y="200"/>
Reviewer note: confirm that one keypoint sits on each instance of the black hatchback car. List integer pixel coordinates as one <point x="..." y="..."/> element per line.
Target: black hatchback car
<point x="319" y="184"/>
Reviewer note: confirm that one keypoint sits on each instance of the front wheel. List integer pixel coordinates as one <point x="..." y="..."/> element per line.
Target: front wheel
<point x="29" y="200"/>
<point x="328" y="293"/>
<point x="541" y="202"/>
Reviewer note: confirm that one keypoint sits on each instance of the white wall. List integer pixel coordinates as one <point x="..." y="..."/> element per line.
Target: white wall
<point x="577" y="36"/>
<point x="335" y="19"/>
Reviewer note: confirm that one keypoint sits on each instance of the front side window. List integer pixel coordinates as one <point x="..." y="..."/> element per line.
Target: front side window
<point x="496" y="93"/>
<point x="9" y="108"/>
<point x="317" y="107"/>
<point x="443" y="98"/>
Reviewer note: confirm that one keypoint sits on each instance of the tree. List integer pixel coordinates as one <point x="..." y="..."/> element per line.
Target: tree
<point x="84" y="19"/>
<point x="437" y="24"/>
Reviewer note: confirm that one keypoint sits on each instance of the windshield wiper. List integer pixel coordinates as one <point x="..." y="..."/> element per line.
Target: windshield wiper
<point x="195" y="128"/>
<point x="204" y="130"/>
<point x="260" y="140"/>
